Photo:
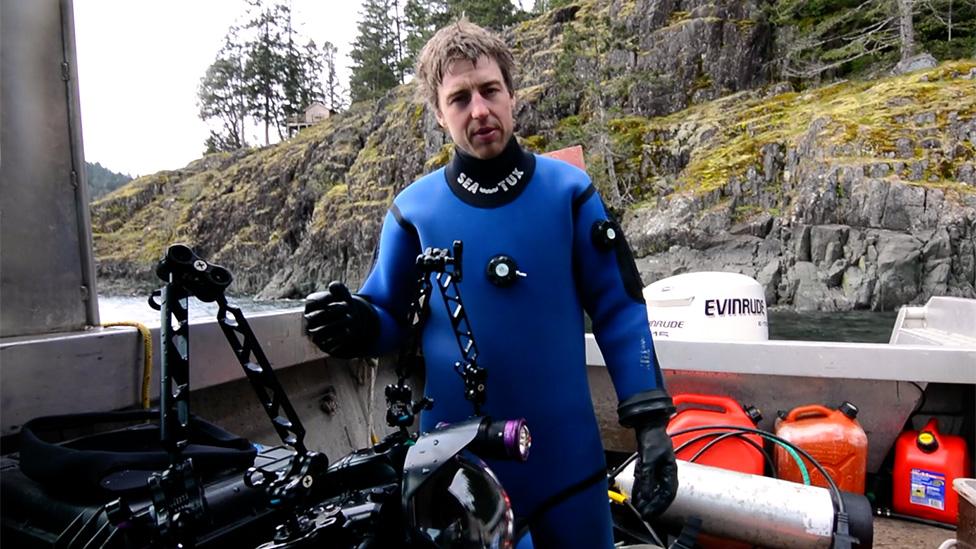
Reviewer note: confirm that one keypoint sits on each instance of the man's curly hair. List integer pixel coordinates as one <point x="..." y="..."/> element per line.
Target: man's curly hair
<point x="459" y="41"/>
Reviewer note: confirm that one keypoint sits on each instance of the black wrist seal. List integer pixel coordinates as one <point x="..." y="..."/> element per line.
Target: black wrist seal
<point x="645" y="407"/>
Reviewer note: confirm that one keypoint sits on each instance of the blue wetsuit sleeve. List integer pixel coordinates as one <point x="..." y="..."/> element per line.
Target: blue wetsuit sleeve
<point x="392" y="281"/>
<point x="610" y="289"/>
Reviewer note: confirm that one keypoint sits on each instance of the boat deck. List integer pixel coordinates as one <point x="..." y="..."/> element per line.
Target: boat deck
<point x="891" y="533"/>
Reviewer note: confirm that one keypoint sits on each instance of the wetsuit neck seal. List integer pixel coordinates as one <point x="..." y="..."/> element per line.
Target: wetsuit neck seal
<point x="493" y="182"/>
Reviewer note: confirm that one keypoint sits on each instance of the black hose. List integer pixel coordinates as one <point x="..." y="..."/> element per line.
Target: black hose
<point x="612" y="476"/>
<point x="720" y="437"/>
<point x="888" y="513"/>
<point x="642" y="538"/>
<point x="640" y="519"/>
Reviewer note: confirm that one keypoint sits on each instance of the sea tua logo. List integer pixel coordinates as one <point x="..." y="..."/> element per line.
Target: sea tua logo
<point x="734" y="306"/>
<point x="504" y="185"/>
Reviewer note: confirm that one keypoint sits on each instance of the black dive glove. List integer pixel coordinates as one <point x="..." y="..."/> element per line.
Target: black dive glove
<point x="656" y="473"/>
<point x="339" y="323"/>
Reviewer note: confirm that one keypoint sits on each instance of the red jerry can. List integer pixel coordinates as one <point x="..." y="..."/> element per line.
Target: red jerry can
<point x="832" y="437"/>
<point x="734" y="452"/>
<point x="926" y="463"/>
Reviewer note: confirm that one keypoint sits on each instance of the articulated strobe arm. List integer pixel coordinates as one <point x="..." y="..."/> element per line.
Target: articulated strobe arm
<point x="446" y="268"/>
<point x="178" y="497"/>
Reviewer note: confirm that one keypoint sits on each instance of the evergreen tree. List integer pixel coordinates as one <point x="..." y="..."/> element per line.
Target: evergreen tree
<point x="947" y="28"/>
<point x="221" y="96"/>
<point x="842" y="33"/>
<point x="266" y="66"/>
<point x="300" y="83"/>
<point x="421" y="19"/>
<point x="542" y="6"/>
<point x="334" y="95"/>
<point x="375" y="66"/>
<point x="492" y="14"/>
<point x="906" y="28"/>
<point x="102" y="180"/>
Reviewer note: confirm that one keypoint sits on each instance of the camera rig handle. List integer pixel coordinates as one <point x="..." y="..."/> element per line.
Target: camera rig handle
<point x="445" y="267"/>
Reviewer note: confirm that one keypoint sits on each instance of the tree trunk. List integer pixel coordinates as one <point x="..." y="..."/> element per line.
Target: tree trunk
<point x="950" y="21"/>
<point x="267" y="118"/>
<point x="906" y="28"/>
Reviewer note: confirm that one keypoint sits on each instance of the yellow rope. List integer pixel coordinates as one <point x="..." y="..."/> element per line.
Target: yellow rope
<point x="147" y="356"/>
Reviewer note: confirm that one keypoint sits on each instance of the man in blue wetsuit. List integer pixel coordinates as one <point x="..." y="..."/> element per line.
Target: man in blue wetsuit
<point x="539" y="249"/>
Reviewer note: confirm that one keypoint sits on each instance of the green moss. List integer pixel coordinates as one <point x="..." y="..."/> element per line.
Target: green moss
<point x="703" y="82"/>
<point x="865" y="117"/>
<point x="570" y="130"/>
<point x="418" y="114"/>
<point x="441" y="158"/>
<point x="745" y="25"/>
<point x="336" y="191"/>
<point x="744" y="212"/>
<point x="678" y="17"/>
<point x="531" y="94"/>
<point x="535" y="143"/>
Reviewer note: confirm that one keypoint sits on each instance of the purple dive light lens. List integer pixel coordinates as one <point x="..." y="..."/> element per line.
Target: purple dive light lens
<point x="517" y="439"/>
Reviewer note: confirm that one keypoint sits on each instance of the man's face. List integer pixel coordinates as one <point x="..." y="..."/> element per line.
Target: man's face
<point x="475" y="107"/>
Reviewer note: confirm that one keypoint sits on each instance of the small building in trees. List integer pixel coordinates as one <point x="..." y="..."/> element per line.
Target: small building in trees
<point x="314" y="113"/>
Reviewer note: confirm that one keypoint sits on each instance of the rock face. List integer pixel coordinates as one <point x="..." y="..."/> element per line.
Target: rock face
<point x="857" y="195"/>
<point x="854" y="232"/>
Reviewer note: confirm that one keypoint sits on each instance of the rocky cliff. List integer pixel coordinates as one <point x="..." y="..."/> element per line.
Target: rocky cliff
<point x="859" y="194"/>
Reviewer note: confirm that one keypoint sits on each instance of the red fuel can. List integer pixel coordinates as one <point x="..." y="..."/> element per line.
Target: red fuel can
<point x="832" y="437"/>
<point x="926" y="463"/>
<point x="732" y="453"/>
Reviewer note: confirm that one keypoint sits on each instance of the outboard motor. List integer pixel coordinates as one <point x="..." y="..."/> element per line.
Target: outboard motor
<point x="707" y="306"/>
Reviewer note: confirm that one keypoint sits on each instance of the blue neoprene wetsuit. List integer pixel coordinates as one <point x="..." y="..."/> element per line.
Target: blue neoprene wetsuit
<point x="540" y="212"/>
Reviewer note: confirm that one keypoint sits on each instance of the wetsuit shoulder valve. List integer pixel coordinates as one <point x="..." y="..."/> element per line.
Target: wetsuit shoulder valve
<point x="503" y="271"/>
<point x="605" y="235"/>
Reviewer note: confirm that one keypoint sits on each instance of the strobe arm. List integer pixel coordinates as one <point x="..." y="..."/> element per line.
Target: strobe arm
<point x="190" y="275"/>
<point x="187" y="274"/>
<point x="446" y="268"/>
<point x="447" y="272"/>
<point x="258" y="369"/>
<point x="174" y="371"/>
<point x="288" y="486"/>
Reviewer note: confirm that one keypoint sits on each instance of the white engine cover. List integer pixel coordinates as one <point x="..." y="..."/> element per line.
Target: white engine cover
<point x="707" y="306"/>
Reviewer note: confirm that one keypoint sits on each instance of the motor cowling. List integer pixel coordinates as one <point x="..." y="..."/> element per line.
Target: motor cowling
<point x="707" y="306"/>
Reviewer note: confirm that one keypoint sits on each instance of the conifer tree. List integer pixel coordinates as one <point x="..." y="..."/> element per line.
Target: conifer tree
<point x="421" y="19"/>
<point x="265" y="65"/>
<point x="492" y="14"/>
<point x="334" y="95"/>
<point x="375" y="63"/>
<point x="222" y="96"/>
<point x="261" y="76"/>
